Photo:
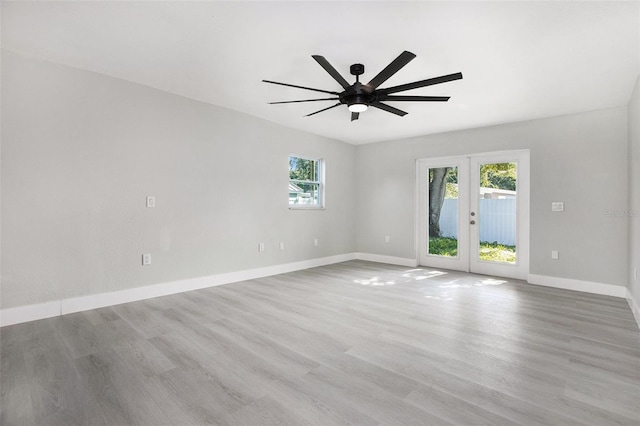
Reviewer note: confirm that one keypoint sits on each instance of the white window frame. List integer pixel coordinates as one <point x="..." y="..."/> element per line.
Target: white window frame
<point x="319" y="182"/>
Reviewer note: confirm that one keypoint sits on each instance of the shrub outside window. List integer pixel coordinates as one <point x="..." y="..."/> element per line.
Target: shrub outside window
<point x="306" y="182"/>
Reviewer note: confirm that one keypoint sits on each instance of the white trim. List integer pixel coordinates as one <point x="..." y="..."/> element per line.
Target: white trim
<point x="578" y="285"/>
<point x="460" y="262"/>
<point x="392" y="260"/>
<point x="520" y="269"/>
<point x="635" y="309"/>
<point x="21" y="314"/>
<point x="309" y="207"/>
<point x="417" y="223"/>
<point x="28" y="313"/>
<point x="320" y="182"/>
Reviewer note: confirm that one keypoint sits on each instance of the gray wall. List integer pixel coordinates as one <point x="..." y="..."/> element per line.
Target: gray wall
<point x="579" y="159"/>
<point x="81" y="151"/>
<point x="633" y="216"/>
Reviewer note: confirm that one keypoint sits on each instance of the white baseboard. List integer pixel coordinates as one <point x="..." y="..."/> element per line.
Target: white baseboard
<point x="578" y="285"/>
<point x="392" y="260"/>
<point x="28" y="313"/>
<point x="635" y="309"/>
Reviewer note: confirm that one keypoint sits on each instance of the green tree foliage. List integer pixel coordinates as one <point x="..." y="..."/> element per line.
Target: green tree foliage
<point x="451" y="181"/>
<point x="451" y="191"/>
<point x="303" y="169"/>
<point x="498" y="175"/>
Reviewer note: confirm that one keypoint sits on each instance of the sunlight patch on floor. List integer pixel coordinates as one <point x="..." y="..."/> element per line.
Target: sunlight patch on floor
<point x="481" y="283"/>
<point x="444" y="297"/>
<point x="375" y="281"/>
<point x="422" y="274"/>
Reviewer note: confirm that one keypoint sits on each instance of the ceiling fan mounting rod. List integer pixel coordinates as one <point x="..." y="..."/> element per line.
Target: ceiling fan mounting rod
<point x="357" y="70"/>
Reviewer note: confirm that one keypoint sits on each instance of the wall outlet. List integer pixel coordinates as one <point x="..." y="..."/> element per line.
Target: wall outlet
<point x="315" y="242"/>
<point x="554" y="254"/>
<point x="151" y="201"/>
<point x="281" y="246"/>
<point x="557" y="206"/>
<point x="387" y="239"/>
<point x="146" y="259"/>
<point x="260" y="247"/>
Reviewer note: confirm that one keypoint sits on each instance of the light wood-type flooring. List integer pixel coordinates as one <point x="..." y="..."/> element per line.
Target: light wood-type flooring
<point x="353" y="343"/>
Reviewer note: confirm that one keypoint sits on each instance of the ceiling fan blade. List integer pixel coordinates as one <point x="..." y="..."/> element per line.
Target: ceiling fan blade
<point x="324" y="109"/>
<point x="304" y="100"/>
<point x="331" y="70"/>
<point x="301" y="87"/>
<point x="421" y="83"/>
<point x="414" y="98"/>
<point x="395" y="66"/>
<point x="355" y="116"/>
<point x="390" y="109"/>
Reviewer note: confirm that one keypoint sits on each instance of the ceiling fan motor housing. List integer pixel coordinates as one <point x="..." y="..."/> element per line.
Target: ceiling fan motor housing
<point x="358" y="93"/>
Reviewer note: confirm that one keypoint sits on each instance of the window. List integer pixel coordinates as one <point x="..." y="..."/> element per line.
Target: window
<point x="306" y="182"/>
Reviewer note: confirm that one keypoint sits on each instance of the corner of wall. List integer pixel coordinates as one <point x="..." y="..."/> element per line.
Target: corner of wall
<point x="633" y="211"/>
<point x="635" y="308"/>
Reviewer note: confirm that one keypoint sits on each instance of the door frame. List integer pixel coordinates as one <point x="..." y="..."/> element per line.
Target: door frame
<point x="518" y="271"/>
<point x="460" y="262"/>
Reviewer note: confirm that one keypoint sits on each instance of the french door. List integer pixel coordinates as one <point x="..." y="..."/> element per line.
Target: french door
<point x="473" y="213"/>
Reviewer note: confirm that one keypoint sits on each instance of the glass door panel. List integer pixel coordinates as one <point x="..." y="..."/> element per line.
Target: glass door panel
<point x="444" y="201"/>
<point x="443" y="211"/>
<point x="496" y="218"/>
<point x="499" y="214"/>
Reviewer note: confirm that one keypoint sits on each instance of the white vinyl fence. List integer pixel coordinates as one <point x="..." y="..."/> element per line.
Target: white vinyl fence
<point x="497" y="220"/>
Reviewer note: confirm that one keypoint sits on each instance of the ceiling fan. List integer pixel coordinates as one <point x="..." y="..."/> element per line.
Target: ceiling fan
<point x="358" y="97"/>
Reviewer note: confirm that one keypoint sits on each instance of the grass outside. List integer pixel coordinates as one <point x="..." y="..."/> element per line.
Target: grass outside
<point x="492" y="252"/>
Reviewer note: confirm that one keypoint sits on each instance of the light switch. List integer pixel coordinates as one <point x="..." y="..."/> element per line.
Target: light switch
<point x="557" y="206"/>
<point x="151" y="201"/>
<point x="554" y="254"/>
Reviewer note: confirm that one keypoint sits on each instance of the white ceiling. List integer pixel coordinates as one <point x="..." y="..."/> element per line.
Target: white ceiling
<point x="520" y="60"/>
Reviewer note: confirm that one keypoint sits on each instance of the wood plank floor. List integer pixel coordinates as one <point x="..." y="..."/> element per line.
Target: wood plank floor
<point x="353" y="343"/>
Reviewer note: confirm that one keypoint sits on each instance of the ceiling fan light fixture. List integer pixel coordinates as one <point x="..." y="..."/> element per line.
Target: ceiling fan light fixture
<point x="358" y="107"/>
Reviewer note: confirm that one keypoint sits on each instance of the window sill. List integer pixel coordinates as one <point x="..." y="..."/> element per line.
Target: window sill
<point x="293" y="207"/>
